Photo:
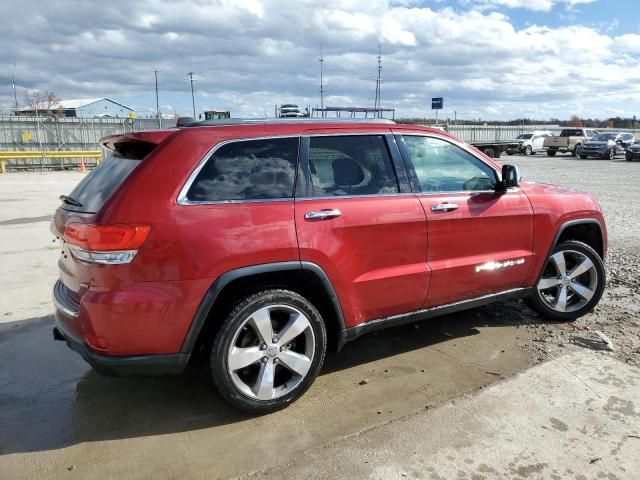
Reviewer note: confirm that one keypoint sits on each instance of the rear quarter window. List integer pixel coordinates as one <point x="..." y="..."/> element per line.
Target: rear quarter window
<point x="247" y="170"/>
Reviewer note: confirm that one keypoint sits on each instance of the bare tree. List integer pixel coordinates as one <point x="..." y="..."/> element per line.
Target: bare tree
<point x="46" y="102"/>
<point x="575" y="121"/>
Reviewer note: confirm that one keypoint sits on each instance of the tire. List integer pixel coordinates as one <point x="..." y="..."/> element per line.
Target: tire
<point x="551" y="153"/>
<point x="488" y="151"/>
<point x="266" y="379"/>
<point x="611" y="155"/>
<point x="577" y="150"/>
<point x="528" y="151"/>
<point x="562" y="295"/>
<point x="583" y="157"/>
<point x="629" y="158"/>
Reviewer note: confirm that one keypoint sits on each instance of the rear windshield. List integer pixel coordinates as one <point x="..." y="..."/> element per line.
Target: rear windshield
<point x="96" y="188"/>
<point x="571" y="133"/>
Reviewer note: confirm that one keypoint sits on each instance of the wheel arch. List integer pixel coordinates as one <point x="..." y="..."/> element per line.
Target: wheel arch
<point x="586" y="230"/>
<point x="305" y="278"/>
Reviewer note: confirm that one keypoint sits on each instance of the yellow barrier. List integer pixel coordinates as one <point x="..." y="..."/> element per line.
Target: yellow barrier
<point x="51" y="154"/>
<point x="40" y="154"/>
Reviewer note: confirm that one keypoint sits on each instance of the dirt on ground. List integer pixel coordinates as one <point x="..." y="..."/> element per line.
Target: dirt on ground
<point x="617" y="315"/>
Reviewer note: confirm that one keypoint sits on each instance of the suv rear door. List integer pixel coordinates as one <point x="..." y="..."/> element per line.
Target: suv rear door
<point x="480" y="241"/>
<point x="357" y="219"/>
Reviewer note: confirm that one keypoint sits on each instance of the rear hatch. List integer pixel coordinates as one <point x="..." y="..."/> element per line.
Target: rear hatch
<point x="84" y="203"/>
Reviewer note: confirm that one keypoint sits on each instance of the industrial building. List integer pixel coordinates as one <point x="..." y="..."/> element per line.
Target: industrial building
<point x="82" y="108"/>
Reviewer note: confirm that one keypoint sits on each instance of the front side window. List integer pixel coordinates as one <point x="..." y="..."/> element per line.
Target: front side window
<point x="439" y="166"/>
<point x="248" y="170"/>
<point x="350" y="165"/>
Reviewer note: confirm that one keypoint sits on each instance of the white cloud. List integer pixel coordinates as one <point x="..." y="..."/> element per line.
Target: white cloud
<point x="251" y="55"/>
<point x="538" y="5"/>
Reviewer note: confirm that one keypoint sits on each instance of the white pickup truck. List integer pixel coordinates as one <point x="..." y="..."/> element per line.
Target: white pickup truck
<point x="569" y="141"/>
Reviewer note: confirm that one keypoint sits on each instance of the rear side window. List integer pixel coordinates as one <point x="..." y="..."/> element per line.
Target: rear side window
<point x="350" y="165"/>
<point x="248" y="170"/>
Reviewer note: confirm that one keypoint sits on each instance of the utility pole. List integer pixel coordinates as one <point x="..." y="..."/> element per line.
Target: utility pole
<point x="15" y="95"/>
<point x="378" y="80"/>
<point x="157" y="101"/>
<point x="321" y="84"/>
<point x="193" y="98"/>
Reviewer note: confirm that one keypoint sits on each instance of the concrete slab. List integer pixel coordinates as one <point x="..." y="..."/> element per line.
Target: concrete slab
<point x="543" y="423"/>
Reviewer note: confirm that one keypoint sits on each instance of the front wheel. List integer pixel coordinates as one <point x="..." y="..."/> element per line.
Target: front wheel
<point x="528" y="150"/>
<point x="577" y="151"/>
<point x="571" y="283"/>
<point x="583" y="157"/>
<point x="612" y="154"/>
<point x="268" y="352"/>
<point x="551" y="153"/>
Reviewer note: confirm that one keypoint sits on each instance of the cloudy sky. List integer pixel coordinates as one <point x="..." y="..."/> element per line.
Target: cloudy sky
<point x="489" y="59"/>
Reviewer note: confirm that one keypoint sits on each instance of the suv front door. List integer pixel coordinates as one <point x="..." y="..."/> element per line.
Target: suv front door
<point x="480" y="241"/>
<point x="357" y="219"/>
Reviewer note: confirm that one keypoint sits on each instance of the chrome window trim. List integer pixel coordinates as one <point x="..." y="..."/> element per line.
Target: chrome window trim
<point x="182" y="196"/>
<point x="370" y="195"/>
<point x="464" y="146"/>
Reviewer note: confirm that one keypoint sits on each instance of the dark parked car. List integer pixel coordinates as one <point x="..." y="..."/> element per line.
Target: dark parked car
<point x="606" y="145"/>
<point x="256" y="244"/>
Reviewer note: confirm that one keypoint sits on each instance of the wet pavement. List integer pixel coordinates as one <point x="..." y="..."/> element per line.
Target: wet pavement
<point x="61" y="419"/>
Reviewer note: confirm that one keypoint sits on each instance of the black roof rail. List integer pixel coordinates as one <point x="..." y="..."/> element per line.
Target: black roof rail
<point x="190" y="122"/>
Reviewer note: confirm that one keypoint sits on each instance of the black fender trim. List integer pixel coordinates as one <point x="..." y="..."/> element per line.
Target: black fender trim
<point x="204" y="309"/>
<point x="352" y="333"/>
<point x="571" y="223"/>
<point x="562" y="228"/>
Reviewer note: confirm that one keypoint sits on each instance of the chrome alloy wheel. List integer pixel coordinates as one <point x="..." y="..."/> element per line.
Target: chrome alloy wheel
<point x="569" y="281"/>
<point x="271" y="352"/>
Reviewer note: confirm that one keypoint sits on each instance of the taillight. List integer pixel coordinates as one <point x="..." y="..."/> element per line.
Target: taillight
<point x="110" y="244"/>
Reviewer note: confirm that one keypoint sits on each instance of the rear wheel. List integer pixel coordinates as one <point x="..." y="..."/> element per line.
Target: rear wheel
<point x="528" y="150"/>
<point x="628" y="157"/>
<point x="268" y="351"/>
<point x="611" y="155"/>
<point x="571" y="283"/>
<point x="583" y="157"/>
<point x="551" y="153"/>
<point x="489" y="152"/>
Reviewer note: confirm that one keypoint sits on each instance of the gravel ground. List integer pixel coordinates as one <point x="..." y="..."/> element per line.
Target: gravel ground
<point x="615" y="184"/>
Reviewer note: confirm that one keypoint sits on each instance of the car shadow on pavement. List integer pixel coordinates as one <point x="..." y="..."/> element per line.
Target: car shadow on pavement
<point x="50" y="399"/>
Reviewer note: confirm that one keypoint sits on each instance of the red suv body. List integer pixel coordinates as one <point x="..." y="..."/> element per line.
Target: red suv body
<point x="370" y="224"/>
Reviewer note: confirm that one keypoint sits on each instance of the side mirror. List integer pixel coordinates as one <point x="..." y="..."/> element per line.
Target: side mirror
<point x="511" y="176"/>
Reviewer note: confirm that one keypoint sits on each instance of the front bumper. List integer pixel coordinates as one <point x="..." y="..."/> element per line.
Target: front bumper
<point x="631" y="155"/>
<point x="130" y="365"/>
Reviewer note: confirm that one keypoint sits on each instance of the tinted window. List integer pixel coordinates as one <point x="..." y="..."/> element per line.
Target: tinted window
<point x="248" y="170"/>
<point x="440" y="166"/>
<point x="96" y="188"/>
<point x="573" y="133"/>
<point x="350" y="165"/>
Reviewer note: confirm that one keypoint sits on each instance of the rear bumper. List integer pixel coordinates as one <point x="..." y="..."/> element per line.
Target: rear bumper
<point x="130" y="365"/>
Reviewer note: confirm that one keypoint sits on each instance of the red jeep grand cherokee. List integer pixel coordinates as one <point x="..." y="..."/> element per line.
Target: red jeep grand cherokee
<point x="260" y="241"/>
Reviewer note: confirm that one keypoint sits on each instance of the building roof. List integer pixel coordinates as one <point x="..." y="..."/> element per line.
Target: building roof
<point x="71" y="104"/>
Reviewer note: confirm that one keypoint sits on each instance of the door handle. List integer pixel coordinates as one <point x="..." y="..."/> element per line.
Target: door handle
<point x="325" y="214"/>
<point x="444" y="207"/>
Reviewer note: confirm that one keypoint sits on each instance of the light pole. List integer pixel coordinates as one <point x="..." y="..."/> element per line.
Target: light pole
<point x="193" y="98"/>
<point x="157" y="101"/>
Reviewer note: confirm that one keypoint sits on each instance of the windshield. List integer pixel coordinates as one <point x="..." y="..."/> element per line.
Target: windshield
<point x="603" y="137"/>
<point x="524" y="136"/>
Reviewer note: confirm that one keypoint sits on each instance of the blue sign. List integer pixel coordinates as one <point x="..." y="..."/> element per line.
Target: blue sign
<point x="437" y="103"/>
